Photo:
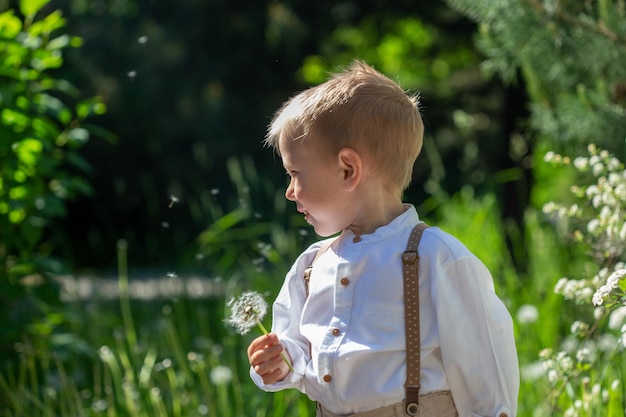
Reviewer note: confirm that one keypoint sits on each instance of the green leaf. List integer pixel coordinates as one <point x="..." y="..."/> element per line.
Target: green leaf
<point x="15" y="119"/>
<point x="43" y="59"/>
<point x="30" y="7"/>
<point x="28" y="151"/>
<point x="10" y="25"/>
<point x="90" y="107"/>
<point x="59" y="42"/>
<point x="47" y="25"/>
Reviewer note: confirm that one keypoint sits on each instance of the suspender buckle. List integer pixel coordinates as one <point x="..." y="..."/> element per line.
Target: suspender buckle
<point x="410" y="257"/>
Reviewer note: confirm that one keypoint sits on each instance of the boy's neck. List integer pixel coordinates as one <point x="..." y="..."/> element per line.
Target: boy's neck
<point x="376" y="210"/>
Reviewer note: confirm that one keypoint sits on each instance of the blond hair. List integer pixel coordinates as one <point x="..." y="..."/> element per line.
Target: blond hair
<point x="358" y="108"/>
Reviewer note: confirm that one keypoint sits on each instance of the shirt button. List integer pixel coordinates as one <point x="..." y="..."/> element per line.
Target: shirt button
<point x="503" y="415"/>
<point x="356" y="239"/>
<point x="345" y="281"/>
<point x="336" y="332"/>
<point x="327" y="378"/>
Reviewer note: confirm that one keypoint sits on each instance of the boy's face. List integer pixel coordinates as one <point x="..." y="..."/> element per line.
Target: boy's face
<point x="316" y="185"/>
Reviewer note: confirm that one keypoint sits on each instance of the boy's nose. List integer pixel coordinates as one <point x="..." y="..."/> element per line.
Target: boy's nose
<point x="289" y="192"/>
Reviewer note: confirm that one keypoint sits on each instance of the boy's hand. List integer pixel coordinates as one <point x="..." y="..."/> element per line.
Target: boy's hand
<point x="265" y="359"/>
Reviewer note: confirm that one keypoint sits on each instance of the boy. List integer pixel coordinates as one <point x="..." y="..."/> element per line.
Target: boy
<point x="349" y="146"/>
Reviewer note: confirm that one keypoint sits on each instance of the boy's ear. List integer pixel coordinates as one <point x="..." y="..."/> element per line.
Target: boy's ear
<point x="351" y="165"/>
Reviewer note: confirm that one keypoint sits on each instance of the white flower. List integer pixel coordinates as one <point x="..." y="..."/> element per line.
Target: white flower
<point x="617" y="318"/>
<point x="593" y="226"/>
<point x="550" y="156"/>
<point x="583" y="355"/>
<point x="579" y="328"/>
<point x="247" y="311"/>
<point x="611" y="283"/>
<point x="581" y="163"/>
<point x="553" y="375"/>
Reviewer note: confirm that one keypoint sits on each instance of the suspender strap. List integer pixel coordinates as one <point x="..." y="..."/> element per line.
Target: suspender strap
<point x="307" y="272"/>
<point x="410" y="271"/>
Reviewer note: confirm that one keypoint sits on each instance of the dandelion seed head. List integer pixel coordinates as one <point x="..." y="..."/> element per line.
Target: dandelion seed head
<point x="221" y="375"/>
<point x="615" y="384"/>
<point x="246" y="310"/>
<point x="105" y="352"/>
<point x="527" y="314"/>
<point x="532" y="371"/>
<point x="99" y="405"/>
<point x="607" y="343"/>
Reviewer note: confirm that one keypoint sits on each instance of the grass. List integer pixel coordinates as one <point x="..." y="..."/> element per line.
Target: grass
<point x="175" y="357"/>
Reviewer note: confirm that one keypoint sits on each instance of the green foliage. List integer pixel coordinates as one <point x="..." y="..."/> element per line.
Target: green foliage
<point x="571" y="56"/>
<point x="172" y="357"/>
<point x="408" y="48"/>
<point x="42" y="126"/>
<point x="586" y="372"/>
<point x="256" y="232"/>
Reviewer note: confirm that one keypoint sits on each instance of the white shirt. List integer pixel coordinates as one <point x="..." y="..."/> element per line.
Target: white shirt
<point x="347" y="339"/>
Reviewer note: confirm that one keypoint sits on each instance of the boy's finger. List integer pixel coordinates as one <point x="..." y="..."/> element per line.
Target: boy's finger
<point x="261" y="342"/>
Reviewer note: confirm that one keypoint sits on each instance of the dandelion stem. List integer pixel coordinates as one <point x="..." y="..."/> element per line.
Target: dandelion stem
<point x="265" y="332"/>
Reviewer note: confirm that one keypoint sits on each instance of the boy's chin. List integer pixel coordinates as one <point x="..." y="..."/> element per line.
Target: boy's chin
<point x="323" y="231"/>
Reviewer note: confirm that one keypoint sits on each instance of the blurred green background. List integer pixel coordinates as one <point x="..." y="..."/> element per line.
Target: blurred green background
<point x="136" y="196"/>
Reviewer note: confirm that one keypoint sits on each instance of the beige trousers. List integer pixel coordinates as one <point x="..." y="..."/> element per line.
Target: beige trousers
<point x="434" y="404"/>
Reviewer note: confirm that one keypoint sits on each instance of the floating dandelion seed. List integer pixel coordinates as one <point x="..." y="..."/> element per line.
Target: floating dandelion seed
<point x="173" y="200"/>
<point x="171" y="275"/>
<point x="131" y="74"/>
<point x="142" y="39"/>
<point x="247" y="311"/>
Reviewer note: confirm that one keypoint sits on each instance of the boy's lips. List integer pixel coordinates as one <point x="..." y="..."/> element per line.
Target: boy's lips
<point x="303" y="211"/>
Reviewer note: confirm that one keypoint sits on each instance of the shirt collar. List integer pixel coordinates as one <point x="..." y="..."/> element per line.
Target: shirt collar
<point x="407" y="220"/>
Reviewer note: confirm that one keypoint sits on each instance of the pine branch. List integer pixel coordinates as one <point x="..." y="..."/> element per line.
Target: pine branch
<point x="599" y="28"/>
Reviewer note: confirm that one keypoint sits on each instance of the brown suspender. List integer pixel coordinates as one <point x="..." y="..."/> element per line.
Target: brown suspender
<point x="410" y="272"/>
<point x="307" y="272"/>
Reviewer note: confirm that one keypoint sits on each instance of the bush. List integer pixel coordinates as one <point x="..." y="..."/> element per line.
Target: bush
<point x="42" y="126"/>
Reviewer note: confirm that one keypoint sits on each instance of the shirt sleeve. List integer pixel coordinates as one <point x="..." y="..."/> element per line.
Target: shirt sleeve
<point x="286" y="314"/>
<point x="477" y="340"/>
